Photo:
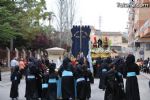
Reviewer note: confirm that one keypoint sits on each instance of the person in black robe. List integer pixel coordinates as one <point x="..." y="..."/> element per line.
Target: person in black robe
<point x="0" y="74"/>
<point x="31" y="82"/>
<point x="66" y="73"/>
<point x="114" y="84"/>
<point x="80" y="82"/>
<point x="15" y="79"/>
<point x="40" y="73"/>
<point x="110" y="84"/>
<point x="88" y="78"/>
<point x="94" y="66"/>
<point x="52" y="83"/>
<point x="102" y="74"/>
<point x="114" y="81"/>
<point x="119" y="66"/>
<point x="98" y="65"/>
<point x="131" y="70"/>
<point x="44" y="95"/>
<point x="45" y="77"/>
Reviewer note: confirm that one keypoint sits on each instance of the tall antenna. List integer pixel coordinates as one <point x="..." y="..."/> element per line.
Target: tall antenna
<point x="100" y="27"/>
<point x="100" y="23"/>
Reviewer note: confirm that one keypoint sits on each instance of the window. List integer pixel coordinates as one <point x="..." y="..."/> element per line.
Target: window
<point x="137" y="44"/>
<point x="147" y="46"/>
<point x="118" y="48"/>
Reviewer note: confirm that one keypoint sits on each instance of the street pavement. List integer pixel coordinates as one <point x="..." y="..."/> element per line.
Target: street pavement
<point x="97" y="94"/>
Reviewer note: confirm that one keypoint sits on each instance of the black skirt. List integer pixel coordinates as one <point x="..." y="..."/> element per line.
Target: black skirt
<point x="114" y="91"/>
<point x="81" y="90"/>
<point x="102" y="82"/>
<point x="67" y="88"/>
<point x="132" y="88"/>
<point x="88" y="90"/>
<point x="52" y="91"/>
<point x="31" y="89"/>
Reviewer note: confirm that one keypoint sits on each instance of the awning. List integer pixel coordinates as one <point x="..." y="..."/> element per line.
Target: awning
<point x="143" y="40"/>
<point x="55" y="50"/>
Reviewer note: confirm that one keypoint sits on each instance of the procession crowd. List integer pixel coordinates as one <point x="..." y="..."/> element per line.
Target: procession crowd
<point x="73" y="79"/>
<point x="47" y="82"/>
<point x="112" y="73"/>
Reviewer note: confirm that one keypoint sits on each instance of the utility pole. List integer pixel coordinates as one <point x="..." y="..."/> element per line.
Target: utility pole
<point x="100" y="23"/>
<point x="81" y="35"/>
<point x="100" y="26"/>
<point x="61" y="20"/>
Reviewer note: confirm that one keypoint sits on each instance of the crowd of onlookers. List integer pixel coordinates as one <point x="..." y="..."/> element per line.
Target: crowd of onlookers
<point x="144" y="65"/>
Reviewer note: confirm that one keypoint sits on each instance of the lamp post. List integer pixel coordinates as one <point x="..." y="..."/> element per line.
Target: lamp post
<point x="61" y="20"/>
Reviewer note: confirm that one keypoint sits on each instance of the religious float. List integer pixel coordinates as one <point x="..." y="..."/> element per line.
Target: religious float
<point x="99" y="48"/>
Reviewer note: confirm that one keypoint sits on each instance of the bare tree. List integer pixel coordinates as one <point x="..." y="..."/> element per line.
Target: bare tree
<point x="71" y="13"/>
<point x="65" y="19"/>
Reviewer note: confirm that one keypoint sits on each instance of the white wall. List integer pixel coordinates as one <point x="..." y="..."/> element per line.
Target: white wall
<point x="147" y="54"/>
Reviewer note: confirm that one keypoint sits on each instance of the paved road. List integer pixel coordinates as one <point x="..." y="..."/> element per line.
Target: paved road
<point x="97" y="94"/>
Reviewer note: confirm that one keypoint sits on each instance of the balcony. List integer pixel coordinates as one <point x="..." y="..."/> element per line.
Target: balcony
<point x="144" y="1"/>
<point x="145" y="29"/>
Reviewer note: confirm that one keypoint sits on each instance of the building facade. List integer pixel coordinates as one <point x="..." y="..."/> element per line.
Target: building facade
<point x="139" y="29"/>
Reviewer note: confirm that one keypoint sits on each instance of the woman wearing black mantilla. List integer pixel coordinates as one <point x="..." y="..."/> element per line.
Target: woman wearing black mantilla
<point x="131" y="70"/>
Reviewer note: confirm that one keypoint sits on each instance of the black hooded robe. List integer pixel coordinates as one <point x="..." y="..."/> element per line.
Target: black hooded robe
<point x="31" y="82"/>
<point x="132" y="87"/>
<point x="52" y="86"/>
<point x="102" y="75"/>
<point x="131" y="70"/>
<point x="66" y="73"/>
<point x="88" y="77"/>
<point x="80" y="83"/>
<point x="44" y="94"/>
<point x="67" y="87"/>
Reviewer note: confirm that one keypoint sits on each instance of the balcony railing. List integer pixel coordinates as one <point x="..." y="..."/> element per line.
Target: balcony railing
<point x="145" y="26"/>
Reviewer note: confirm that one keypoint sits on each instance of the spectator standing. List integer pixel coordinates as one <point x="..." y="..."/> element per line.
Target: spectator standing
<point x="15" y="79"/>
<point x="13" y="64"/>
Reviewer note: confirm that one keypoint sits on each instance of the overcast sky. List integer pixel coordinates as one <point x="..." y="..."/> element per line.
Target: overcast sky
<point x="112" y="17"/>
